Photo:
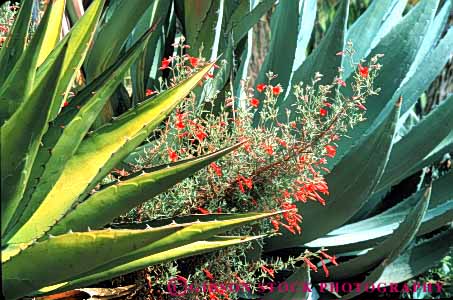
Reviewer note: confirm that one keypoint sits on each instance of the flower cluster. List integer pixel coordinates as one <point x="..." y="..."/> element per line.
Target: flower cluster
<point x="7" y="15"/>
<point x="280" y="165"/>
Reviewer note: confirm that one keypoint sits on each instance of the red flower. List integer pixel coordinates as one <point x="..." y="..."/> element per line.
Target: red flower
<point x="203" y="211"/>
<point x="275" y="224"/>
<point x="268" y="271"/>
<point x="324" y="267"/>
<point x="323" y="112"/>
<point x="341" y="82"/>
<point x="165" y="63"/>
<point x="260" y="87"/>
<point x="254" y="102"/>
<point x="66" y="103"/>
<point x="216" y="169"/>
<point x="248" y="182"/>
<point x="360" y="106"/>
<point x="276" y="90"/>
<point x="193" y="61"/>
<point x="310" y="264"/>
<point x="208" y="274"/>
<point x="172" y="155"/>
<point x="363" y="71"/>
<point x="327" y="256"/>
<point x="150" y="92"/>
<point x="331" y="150"/>
<point x="269" y="150"/>
<point x="201" y="135"/>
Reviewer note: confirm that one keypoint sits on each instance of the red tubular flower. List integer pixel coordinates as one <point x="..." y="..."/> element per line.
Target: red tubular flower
<point x="310" y="264"/>
<point x="269" y="150"/>
<point x="150" y="92"/>
<point x="203" y="211"/>
<point x="331" y="150"/>
<point x="324" y="267"/>
<point x="172" y="155"/>
<point x="208" y="274"/>
<point x="341" y="82"/>
<point x="275" y="224"/>
<point x="260" y="87"/>
<point x="193" y="61"/>
<point x="216" y="169"/>
<point x="241" y="187"/>
<point x="276" y="90"/>
<point x="327" y="256"/>
<point x="269" y="271"/>
<point x="248" y="182"/>
<point x="201" y="135"/>
<point x="360" y="105"/>
<point x="323" y="112"/>
<point x="165" y="63"/>
<point x="363" y="71"/>
<point x="254" y="102"/>
<point x="66" y="103"/>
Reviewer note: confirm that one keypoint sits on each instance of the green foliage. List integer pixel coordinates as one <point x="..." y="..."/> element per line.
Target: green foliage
<point x="55" y="166"/>
<point x="51" y="161"/>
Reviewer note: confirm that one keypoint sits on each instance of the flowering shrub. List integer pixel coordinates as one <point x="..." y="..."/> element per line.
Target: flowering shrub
<point x="282" y="160"/>
<point x="7" y="14"/>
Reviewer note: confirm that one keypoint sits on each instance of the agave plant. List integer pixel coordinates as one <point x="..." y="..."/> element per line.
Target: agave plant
<point x="52" y="221"/>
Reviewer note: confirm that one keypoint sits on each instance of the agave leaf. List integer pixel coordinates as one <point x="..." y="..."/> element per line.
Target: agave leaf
<point x="243" y="18"/>
<point x="408" y="265"/>
<point x="66" y="252"/>
<point x="400" y="47"/>
<point x="392" y="19"/>
<point x="281" y="53"/>
<point x="52" y="35"/>
<point x="140" y="70"/>
<point x="436" y="155"/>
<point x="197" y="231"/>
<point x="78" y="40"/>
<point x="101" y="152"/>
<point x="66" y="133"/>
<point x="307" y="17"/>
<point x="196" y="248"/>
<point x="350" y="183"/>
<point x="105" y="205"/>
<point x="431" y="65"/>
<point x="365" y="30"/>
<point x="419" y="258"/>
<point x="366" y="233"/>
<point x="20" y="139"/>
<point x="14" y="45"/>
<point x="296" y="288"/>
<point x="112" y="36"/>
<point x="19" y="82"/>
<point x="201" y="19"/>
<point x="104" y="249"/>
<point x="400" y="238"/>
<point x="437" y="125"/>
<point x="323" y="58"/>
<point x="376" y="275"/>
